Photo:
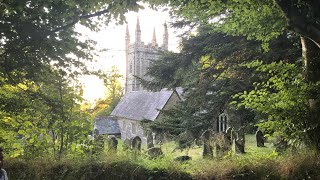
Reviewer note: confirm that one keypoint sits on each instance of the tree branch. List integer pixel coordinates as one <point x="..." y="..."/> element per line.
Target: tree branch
<point x="87" y="16"/>
<point x="299" y="23"/>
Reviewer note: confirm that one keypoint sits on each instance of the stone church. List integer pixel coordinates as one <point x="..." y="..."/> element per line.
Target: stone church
<point x="138" y="104"/>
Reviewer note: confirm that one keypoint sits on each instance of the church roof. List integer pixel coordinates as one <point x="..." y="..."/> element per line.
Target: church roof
<point x="140" y="105"/>
<point x="106" y="125"/>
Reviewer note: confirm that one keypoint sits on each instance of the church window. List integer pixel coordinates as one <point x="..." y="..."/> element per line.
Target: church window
<point x="124" y="124"/>
<point x="133" y="128"/>
<point x="222" y="122"/>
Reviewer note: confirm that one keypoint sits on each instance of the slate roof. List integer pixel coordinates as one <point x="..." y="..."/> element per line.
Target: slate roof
<point x="140" y="105"/>
<point x="106" y="125"/>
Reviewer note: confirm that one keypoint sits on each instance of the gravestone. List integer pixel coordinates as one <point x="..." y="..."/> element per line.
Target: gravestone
<point x="239" y="145"/>
<point x="112" y="143"/>
<point x="260" y="139"/>
<point x="154" y="152"/>
<point x="229" y="135"/>
<point x="126" y="144"/>
<point x="136" y="143"/>
<point x="150" y="140"/>
<point x="223" y="144"/>
<point x="239" y="142"/>
<point x="207" y="148"/>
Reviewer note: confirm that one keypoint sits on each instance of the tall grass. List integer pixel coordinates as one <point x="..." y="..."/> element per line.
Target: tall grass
<point x="256" y="163"/>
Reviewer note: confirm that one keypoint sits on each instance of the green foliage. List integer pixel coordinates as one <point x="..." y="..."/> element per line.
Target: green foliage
<point x="41" y="55"/>
<point x="45" y="119"/>
<point x="210" y="70"/>
<point x="112" y="81"/>
<point x="265" y="21"/>
<point x="280" y="100"/>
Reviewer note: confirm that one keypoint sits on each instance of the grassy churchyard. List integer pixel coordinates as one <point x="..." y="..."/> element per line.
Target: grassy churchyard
<point x="256" y="163"/>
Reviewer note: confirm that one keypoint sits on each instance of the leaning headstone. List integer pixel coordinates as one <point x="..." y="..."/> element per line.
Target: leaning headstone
<point x="260" y="139"/>
<point x="154" y="152"/>
<point x="136" y="143"/>
<point x="112" y="143"/>
<point x="182" y="159"/>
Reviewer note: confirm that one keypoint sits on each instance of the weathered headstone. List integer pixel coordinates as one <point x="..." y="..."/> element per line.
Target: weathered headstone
<point x="112" y="143"/>
<point x="154" y="152"/>
<point x="239" y="145"/>
<point x="239" y="142"/>
<point x="126" y="144"/>
<point x="260" y="139"/>
<point x="150" y="141"/>
<point x="222" y="144"/>
<point x="229" y="135"/>
<point x="207" y="148"/>
<point x="136" y="143"/>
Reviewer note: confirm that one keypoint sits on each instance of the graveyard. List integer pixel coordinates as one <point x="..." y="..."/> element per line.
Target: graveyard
<point x="159" y="89"/>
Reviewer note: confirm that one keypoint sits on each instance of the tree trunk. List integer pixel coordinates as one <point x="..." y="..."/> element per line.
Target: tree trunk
<point x="311" y="58"/>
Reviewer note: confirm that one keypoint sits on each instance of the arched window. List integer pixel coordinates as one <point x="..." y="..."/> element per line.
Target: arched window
<point x="222" y="122"/>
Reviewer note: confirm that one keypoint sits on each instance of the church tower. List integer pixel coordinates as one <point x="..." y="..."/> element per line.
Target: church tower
<point x="139" y="56"/>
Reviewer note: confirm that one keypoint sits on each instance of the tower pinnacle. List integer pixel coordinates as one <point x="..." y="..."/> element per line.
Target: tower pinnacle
<point x="154" y="38"/>
<point x="165" y="37"/>
<point x="138" y="31"/>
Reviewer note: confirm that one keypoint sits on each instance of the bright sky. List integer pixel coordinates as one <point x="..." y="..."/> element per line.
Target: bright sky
<point x="112" y="38"/>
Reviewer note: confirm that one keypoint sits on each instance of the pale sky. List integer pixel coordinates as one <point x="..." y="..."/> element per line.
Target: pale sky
<point x="112" y="38"/>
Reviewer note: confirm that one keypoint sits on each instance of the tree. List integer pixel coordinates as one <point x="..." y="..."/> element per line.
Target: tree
<point x="40" y="53"/>
<point x="112" y="81"/>
<point x="45" y="121"/>
<point x="211" y="69"/>
<point x="265" y="20"/>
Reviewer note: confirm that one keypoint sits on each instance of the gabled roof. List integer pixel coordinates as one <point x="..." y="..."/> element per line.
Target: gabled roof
<point x="106" y="125"/>
<point x="140" y="105"/>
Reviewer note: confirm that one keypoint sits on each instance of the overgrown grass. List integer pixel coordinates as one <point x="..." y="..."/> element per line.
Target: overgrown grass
<point x="256" y="163"/>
